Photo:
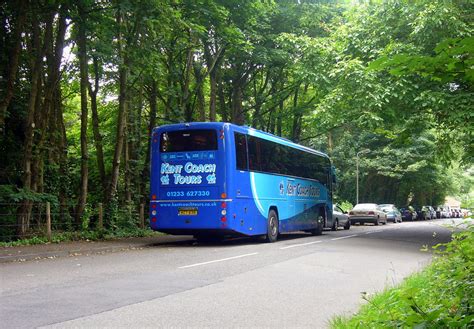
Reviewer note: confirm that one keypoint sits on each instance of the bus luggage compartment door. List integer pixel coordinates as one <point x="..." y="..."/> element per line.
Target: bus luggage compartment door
<point x="189" y="208"/>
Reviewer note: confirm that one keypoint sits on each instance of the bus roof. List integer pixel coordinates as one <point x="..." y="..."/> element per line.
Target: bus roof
<point x="244" y="129"/>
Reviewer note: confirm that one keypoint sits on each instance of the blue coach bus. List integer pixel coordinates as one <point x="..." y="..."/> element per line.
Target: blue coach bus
<point x="220" y="179"/>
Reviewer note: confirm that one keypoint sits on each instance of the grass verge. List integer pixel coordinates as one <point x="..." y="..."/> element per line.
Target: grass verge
<point x="440" y="296"/>
<point x="83" y="235"/>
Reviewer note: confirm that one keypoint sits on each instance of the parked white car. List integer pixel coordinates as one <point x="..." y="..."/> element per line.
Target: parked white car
<point x="340" y="218"/>
<point x="367" y="213"/>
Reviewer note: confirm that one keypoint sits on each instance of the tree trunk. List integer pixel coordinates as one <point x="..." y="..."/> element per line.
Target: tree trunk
<point x="200" y="102"/>
<point x="83" y="66"/>
<point x="120" y="136"/>
<point x="187" y="108"/>
<point x="24" y="211"/>
<point x="129" y="149"/>
<point x="271" y="120"/>
<point x="38" y="112"/>
<point x="258" y="104"/>
<point x="14" y="56"/>
<point x="258" y="120"/>
<point x="122" y="116"/>
<point x="136" y="145"/>
<point x="63" y="169"/>
<point x="212" y="82"/>
<point x="152" y="98"/>
<point x="238" y="115"/>
<point x="46" y="109"/>
<point x="213" y="62"/>
<point x="126" y="158"/>
<point x="295" y="131"/>
<point x="212" y="96"/>
<point x="170" y="100"/>
<point x="95" y="124"/>
<point x="279" y="117"/>
<point x="30" y="120"/>
<point x="222" y="104"/>
<point x="330" y="143"/>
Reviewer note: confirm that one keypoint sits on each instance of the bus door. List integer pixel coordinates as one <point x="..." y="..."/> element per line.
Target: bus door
<point x="290" y="211"/>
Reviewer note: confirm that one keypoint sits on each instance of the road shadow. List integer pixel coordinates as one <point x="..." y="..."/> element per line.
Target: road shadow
<point x="189" y="241"/>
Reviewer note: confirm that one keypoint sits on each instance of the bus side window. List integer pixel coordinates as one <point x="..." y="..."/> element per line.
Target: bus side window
<point x="254" y="154"/>
<point x="240" y="151"/>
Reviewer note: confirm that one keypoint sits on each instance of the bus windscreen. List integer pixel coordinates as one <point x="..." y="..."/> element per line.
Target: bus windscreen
<point x="188" y="140"/>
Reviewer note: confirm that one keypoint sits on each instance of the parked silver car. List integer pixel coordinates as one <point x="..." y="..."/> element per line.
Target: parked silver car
<point x="367" y="213"/>
<point x="393" y="214"/>
<point x="431" y="212"/>
<point x="340" y="218"/>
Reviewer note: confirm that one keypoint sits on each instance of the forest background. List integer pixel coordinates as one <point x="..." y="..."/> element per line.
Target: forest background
<point x="83" y="82"/>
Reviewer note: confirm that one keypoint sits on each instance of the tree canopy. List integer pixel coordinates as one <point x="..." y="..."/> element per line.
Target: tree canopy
<point x="83" y="83"/>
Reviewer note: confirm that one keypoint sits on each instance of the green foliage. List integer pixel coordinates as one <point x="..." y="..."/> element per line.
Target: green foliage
<point x="83" y="235"/>
<point x="392" y="76"/>
<point x="124" y="217"/>
<point x="398" y="116"/>
<point x="441" y="296"/>
<point x="449" y="78"/>
<point x="452" y="62"/>
<point x="345" y="205"/>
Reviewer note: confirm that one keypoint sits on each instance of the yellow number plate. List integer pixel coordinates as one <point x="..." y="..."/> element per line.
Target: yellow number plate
<point x="187" y="212"/>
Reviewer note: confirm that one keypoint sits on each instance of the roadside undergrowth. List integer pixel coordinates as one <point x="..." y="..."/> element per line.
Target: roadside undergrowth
<point x="85" y="235"/>
<point x="440" y="296"/>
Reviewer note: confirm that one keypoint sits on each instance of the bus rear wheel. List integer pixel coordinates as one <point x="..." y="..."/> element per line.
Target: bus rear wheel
<point x="272" y="226"/>
<point x="319" y="229"/>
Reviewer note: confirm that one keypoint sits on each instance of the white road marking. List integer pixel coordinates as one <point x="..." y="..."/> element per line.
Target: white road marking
<point x="219" y="260"/>
<point x="345" y="237"/>
<point x="370" y="232"/>
<point x="300" y="245"/>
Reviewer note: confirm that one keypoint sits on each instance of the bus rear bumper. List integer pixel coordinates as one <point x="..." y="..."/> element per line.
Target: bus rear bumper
<point x="202" y="232"/>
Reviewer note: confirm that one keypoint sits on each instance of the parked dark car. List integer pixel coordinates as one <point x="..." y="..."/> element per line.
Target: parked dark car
<point x="408" y="213"/>
<point x="439" y="212"/>
<point x="452" y="213"/>
<point x="422" y="213"/>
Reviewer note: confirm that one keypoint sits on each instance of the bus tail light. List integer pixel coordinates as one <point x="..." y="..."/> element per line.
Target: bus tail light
<point x="223" y="195"/>
<point x="223" y="212"/>
<point x="153" y="206"/>
<point x="153" y="219"/>
<point x="223" y="219"/>
<point x="223" y="205"/>
<point x="153" y="197"/>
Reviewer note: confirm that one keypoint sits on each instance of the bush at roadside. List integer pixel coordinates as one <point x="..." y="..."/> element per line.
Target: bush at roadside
<point x="440" y="296"/>
<point x="83" y="235"/>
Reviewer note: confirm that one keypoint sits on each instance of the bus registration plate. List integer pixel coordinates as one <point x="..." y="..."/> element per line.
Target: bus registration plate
<point x="187" y="211"/>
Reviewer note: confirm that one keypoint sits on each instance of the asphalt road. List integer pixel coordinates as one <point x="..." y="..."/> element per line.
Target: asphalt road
<point x="299" y="281"/>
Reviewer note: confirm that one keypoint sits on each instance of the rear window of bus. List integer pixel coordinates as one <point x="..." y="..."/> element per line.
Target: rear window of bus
<point x="188" y="140"/>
